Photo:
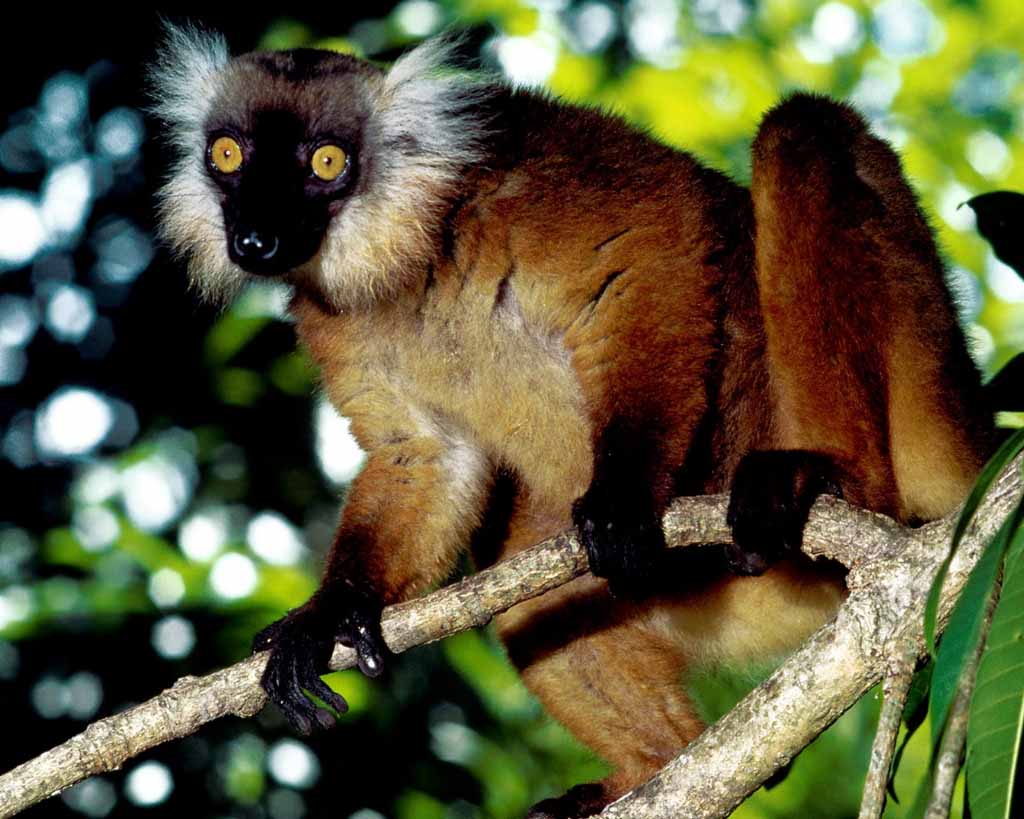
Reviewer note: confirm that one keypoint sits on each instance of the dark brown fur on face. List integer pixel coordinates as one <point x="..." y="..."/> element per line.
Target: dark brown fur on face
<point x="580" y="323"/>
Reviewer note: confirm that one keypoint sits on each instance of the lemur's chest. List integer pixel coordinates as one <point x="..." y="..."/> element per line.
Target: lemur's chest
<point x="465" y="355"/>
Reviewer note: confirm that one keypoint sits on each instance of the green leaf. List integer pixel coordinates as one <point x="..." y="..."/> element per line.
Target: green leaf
<point x="916" y="707"/>
<point x="963" y="632"/>
<point x="997" y="708"/>
<point x="1007" y="452"/>
<point x="923" y="795"/>
<point x="230" y="334"/>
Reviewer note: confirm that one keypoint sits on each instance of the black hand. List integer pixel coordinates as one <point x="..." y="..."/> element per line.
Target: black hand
<point x="623" y="540"/>
<point x="772" y="494"/>
<point x="301" y="644"/>
<point x="617" y="516"/>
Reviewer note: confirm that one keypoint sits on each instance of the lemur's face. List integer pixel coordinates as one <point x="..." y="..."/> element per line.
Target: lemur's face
<point x="279" y="182"/>
<point x="310" y="165"/>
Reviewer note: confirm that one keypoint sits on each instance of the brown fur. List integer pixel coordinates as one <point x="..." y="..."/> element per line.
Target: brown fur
<point x="562" y="305"/>
<point x="586" y="277"/>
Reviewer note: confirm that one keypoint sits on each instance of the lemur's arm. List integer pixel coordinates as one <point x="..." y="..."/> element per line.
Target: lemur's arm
<point x="407" y="515"/>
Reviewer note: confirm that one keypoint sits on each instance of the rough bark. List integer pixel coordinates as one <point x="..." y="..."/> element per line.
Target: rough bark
<point x="891" y="568"/>
<point x="895" y="688"/>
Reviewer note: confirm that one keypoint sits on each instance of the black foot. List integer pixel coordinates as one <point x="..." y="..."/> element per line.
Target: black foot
<point x="300" y="647"/>
<point x="623" y="541"/>
<point x="772" y="494"/>
<point x="580" y="801"/>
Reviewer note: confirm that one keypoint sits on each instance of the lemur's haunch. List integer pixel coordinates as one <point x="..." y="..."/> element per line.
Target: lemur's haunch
<point x="537" y="316"/>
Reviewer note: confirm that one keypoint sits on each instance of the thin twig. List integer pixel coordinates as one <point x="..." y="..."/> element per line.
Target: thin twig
<point x="894" y="688"/>
<point x="835" y="529"/>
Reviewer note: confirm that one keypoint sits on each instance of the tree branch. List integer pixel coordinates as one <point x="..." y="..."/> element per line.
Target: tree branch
<point x="891" y="568"/>
<point x="895" y="689"/>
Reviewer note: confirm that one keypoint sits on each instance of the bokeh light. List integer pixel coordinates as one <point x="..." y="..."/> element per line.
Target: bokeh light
<point x="652" y="27"/>
<point x="96" y="527"/>
<point x="166" y="588"/>
<point x="593" y="26"/>
<point x="119" y="134"/>
<point x="292" y="763"/>
<point x="283" y="803"/>
<point x="95" y="797"/>
<point x="173" y="637"/>
<point x="203" y="534"/>
<point x="149" y="784"/>
<point x="73" y="422"/>
<point x="1003" y="280"/>
<point x="419" y="18"/>
<point x="84" y="693"/>
<point x="23" y="234"/>
<point x="18" y="321"/>
<point x="337" y="450"/>
<point x="527" y="61"/>
<point x="233" y="576"/>
<point x="65" y="200"/>
<point x="70" y="312"/>
<point x="906" y="29"/>
<point x="274" y="539"/>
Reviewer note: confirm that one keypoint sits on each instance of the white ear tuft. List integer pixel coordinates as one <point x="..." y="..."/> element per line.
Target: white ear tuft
<point x="428" y="126"/>
<point x="425" y="60"/>
<point x="427" y="99"/>
<point x="183" y="79"/>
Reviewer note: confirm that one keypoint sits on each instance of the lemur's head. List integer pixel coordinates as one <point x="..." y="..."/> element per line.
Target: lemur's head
<point x="311" y="165"/>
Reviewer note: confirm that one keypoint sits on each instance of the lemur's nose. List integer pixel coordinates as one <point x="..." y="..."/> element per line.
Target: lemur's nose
<point x="255" y="246"/>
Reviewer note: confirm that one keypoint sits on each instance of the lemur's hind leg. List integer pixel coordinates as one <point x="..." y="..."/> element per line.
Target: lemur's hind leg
<point x="610" y="673"/>
<point x="613" y="671"/>
<point x="858" y="324"/>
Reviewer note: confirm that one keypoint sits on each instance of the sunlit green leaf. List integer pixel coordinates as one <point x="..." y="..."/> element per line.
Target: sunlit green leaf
<point x="997" y="708"/>
<point x="418" y="805"/>
<point x="355" y="687"/>
<point x="293" y="373"/>
<point x="915" y="709"/>
<point x="922" y="796"/>
<point x="484" y="667"/>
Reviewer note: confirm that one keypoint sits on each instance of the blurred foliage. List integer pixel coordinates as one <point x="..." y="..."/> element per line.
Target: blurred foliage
<point x="169" y="483"/>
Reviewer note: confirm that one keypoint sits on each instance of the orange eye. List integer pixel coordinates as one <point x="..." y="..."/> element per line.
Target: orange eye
<point x="328" y="162"/>
<point x="226" y="154"/>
